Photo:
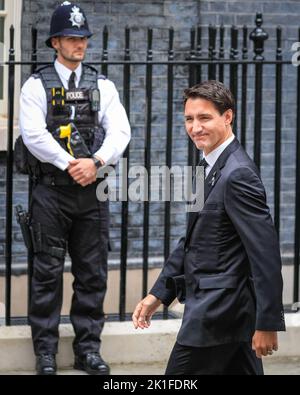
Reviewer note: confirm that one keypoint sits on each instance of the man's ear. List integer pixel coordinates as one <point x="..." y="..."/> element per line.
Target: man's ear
<point x="55" y="42"/>
<point x="228" y="115"/>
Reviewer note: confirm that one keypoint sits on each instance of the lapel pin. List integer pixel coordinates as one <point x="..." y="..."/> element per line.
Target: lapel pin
<point x="213" y="180"/>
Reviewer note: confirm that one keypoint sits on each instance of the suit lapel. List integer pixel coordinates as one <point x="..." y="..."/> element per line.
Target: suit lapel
<point x="211" y="180"/>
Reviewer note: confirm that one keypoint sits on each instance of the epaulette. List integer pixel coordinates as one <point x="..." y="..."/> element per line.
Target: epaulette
<point x="100" y="76"/>
<point x="90" y="67"/>
<point x="36" y="74"/>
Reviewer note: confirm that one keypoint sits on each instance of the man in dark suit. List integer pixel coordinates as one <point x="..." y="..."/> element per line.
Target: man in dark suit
<point x="229" y="257"/>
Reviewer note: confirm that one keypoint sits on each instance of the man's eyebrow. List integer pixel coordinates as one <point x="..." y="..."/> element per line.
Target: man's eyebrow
<point x="198" y="115"/>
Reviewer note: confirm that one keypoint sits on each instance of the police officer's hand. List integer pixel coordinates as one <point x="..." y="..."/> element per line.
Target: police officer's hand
<point x="83" y="171"/>
<point x="144" y="311"/>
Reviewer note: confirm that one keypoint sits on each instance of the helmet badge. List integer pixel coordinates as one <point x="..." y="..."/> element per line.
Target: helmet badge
<point x="65" y="3"/>
<point x="77" y="17"/>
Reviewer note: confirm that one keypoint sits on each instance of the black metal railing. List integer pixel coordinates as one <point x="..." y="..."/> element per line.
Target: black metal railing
<point x="244" y="74"/>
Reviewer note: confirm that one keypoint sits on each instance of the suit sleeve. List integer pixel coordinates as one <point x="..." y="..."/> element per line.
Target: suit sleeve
<point x="173" y="267"/>
<point x="245" y="204"/>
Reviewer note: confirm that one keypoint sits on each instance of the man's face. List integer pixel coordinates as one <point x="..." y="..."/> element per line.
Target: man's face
<point x="70" y="49"/>
<point x="205" y="125"/>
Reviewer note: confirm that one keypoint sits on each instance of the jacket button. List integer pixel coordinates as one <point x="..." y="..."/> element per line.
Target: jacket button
<point x="186" y="250"/>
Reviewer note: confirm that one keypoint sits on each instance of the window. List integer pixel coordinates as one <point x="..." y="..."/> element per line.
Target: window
<point x="10" y="14"/>
<point x="2" y="26"/>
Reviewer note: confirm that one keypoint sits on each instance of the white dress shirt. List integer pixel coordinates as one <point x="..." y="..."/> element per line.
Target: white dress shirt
<point x="33" y="112"/>
<point x="213" y="156"/>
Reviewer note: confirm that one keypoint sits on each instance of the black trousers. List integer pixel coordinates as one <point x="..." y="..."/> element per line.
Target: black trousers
<point x="225" y="359"/>
<point x="71" y="218"/>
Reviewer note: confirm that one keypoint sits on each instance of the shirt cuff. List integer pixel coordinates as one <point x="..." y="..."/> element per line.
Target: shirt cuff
<point x="106" y="155"/>
<point x="62" y="162"/>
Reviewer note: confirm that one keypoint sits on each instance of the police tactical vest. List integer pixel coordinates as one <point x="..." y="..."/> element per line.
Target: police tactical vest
<point x="77" y="106"/>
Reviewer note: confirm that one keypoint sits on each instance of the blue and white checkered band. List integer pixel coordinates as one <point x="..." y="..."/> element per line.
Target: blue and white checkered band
<point x="77" y="17"/>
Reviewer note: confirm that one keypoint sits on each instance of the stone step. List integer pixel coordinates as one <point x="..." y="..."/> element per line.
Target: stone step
<point x="123" y="345"/>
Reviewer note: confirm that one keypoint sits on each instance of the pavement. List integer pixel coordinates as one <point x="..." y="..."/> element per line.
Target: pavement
<point x="282" y="366"/>
<point x="273" y="366"/>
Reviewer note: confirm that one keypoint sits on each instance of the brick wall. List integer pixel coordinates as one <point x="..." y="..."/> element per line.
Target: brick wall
<point x="182" y="15"/>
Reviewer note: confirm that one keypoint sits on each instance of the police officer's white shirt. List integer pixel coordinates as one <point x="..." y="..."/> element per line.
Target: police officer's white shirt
<point x="213" y="156"/>
<point x="33" y="112"/>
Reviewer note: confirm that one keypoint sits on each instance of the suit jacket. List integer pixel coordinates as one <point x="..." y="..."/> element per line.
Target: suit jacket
<point x="230" y="259"/>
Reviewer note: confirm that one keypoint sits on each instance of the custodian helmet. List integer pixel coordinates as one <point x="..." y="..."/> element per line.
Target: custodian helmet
<point x="68" y="20"/>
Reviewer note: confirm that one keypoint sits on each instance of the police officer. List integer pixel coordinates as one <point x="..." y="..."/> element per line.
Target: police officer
<point x="65" y="212"/>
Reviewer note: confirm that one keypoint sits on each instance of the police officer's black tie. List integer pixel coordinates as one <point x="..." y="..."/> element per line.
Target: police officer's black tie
<point x="72" y="81"/>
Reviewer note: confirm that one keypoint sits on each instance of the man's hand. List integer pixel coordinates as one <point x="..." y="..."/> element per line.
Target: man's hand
<point x="144" y="311"/>
<point x="264" y="343"/>
<point x="83" y="171"/>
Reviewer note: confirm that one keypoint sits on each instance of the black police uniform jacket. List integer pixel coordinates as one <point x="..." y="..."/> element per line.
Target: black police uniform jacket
<point x="229" y="258"/>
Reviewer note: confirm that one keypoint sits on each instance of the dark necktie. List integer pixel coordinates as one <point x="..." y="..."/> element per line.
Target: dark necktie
<point x="192" y="215"/>
<point x="72" y="81"/>
<point x="203" y="163"/>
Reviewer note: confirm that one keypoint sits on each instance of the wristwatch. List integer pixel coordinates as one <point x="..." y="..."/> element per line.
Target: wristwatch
<point x="97" y="162"/>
